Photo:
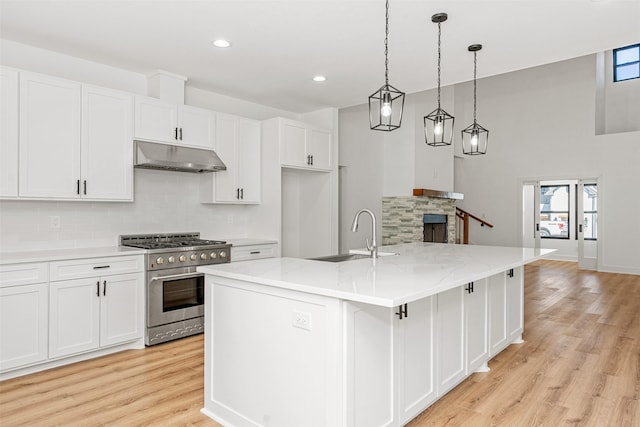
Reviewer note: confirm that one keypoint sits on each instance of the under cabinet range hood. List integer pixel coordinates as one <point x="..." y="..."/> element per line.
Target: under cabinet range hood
<point x="150" y="155"/>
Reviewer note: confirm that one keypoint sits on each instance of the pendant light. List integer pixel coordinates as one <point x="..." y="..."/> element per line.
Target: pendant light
<point x="438" y="125"/>
<point x="474" y="136"/>
<point x="386" y="104"/>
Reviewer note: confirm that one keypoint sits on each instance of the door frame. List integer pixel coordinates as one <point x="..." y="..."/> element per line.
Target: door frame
<point x="584" y="179"/>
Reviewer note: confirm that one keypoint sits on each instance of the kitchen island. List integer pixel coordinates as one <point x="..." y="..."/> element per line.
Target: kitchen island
<point x="295" y="342"/>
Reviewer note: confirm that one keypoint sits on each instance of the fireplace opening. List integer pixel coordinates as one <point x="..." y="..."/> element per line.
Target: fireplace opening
<point x="435" y="228"/>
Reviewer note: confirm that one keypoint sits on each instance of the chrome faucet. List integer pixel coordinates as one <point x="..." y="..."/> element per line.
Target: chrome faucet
<point x="373" y="248"/>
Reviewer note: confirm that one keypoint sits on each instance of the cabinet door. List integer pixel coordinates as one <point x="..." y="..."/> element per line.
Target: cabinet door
<point x="475" y="304"/>
<point x="49" y="137"/>
<point x="293" y="140"/>
<point x="197" y="127"/>
<point x="74" y="309"/>
<point x="226" y="184"/>
<point x="121" y="308"/>
<point x="416" y="359"/>
<point x="155" y="120"/>
<point x="319" y="146"/>
<point x="8" y="132"/>
<point x="249" y="160"/>
<point x="107" y="147"/>
<point x="515" y="305"/>
<point x="450" y="339"/>
<point x="369" y="364"/>
<point x="497" y="313"/>
<point x="23" y="325"/>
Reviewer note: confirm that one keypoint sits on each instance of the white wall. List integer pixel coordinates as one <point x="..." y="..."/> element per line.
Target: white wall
<point x="376" y="164"/>
<point x="164" y="201"/>
<point x="618" y="103"/>
<point x="542" y="126"/>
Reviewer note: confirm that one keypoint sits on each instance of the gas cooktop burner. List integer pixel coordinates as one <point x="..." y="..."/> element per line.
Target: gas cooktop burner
<point x="167" y="241"/>
<point x="175" y="244"/>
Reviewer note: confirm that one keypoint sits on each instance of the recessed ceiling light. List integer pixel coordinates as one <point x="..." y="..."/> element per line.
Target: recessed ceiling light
<point x="319" y="79"/>
<point x="221" y="43"/>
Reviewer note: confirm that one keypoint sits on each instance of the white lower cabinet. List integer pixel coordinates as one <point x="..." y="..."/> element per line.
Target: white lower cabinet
<point x="23" y="325"/>
<point x="476" y="324"/>
<point x="450" y="339"/>
<point x="515" y="305"/>
<point x="94" y="312"/>
<point x="389" y="356"/>
<point x="506" y="310"/>
<point x="24" y="296"/>
<point x="416" y="359"/>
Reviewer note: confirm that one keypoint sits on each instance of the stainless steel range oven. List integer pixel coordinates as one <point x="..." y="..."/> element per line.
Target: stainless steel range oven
<point x="174" y="290"/>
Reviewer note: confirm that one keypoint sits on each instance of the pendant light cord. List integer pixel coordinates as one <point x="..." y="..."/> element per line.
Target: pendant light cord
<point x="475" y="66"/>
<point x="386" y="46"/>
<point x="439" y="33"/>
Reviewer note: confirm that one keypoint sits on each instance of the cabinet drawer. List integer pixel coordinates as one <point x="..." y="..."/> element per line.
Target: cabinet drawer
<point x="244" y="253"/>
<point x="23" y="274"/>
<point x="90" y="267"/>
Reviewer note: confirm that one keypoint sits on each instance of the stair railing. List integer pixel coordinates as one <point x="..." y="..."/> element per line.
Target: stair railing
<point x="462" y="226"/>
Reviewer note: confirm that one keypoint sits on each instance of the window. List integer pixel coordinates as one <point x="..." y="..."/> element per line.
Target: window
<point x="590" y="208"/>
<point x="626" y="63"/>
<point x="554" y="211"/>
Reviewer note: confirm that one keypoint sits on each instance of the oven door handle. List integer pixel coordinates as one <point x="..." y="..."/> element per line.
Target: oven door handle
<point x="176" y="276"/>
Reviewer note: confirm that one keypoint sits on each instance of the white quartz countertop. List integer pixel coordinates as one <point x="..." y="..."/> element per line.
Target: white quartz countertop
<point x="418" y="271"/>
<point x="64" y="254"/>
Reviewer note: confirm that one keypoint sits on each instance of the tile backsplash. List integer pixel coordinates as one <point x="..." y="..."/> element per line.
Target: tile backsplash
<point x="163" y="202"/>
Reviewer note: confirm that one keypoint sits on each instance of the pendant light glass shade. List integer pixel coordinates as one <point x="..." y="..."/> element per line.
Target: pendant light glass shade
<point x="438" y="125"/>
<point x="474" y="137"/>
<point x="387" y="103"/>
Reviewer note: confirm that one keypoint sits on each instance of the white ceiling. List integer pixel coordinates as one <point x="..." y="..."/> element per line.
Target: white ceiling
<point x="278" y="46"/>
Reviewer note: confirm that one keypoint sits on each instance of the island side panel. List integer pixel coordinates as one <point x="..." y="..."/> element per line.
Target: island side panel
<point x="272" y="356"/>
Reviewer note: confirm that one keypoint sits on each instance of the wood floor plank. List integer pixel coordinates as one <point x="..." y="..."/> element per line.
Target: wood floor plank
<point x="579" y="366"/>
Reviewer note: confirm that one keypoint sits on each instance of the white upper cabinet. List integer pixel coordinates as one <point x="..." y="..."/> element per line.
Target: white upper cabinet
<point x="49" y="137"/>
<point x="75" y="140"/>
<point x="107" y="148"/>
<point x="8" y="132"/>
<point x="161" y="121"/>
<point x="197" y="126"/>
<point x="304" y="146"/>
<point x="238" y="144"/>
<point x="155" y="120"/>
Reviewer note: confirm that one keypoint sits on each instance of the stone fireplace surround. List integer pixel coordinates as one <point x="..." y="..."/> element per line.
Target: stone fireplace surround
<point x="402" y="216"/>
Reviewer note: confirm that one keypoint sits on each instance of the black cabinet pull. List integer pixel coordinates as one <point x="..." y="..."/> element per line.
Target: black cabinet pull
<point x="180" y="134"/>
<point x="98" y="288"/>
<point x="104" y="288"/>
<point x="312" y="165"/>
<point x="510" y="272"/>
<point x="402" y="311"/>
<point x="176" y="135"/>
<point x="242" y="193"/>
<point x="254" y="252"/>
<point x="469" y="287"/>
<point x="238" y="193"/>
<point x="85" y="187"/>
<point x="78" y="186"/>
<point x="99" y="267"/>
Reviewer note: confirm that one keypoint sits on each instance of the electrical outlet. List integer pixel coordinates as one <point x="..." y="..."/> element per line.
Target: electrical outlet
<point x="230" y="219"/>
<point x="54" y="221"/>
<point x="301" y="320"/>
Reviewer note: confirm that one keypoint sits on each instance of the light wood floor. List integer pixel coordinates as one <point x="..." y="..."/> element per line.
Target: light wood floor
<point x="579" y="366"/>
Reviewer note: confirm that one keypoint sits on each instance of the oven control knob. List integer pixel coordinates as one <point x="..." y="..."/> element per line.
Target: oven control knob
<point x="193" y="257"/>
<point x="182" y="258"/>
<point x="223" y="254"/>
<point x="159" y="260"/>
<point x="203" y="256"/>
<point x="171" y="259"/>
<point x="213" y="255"/>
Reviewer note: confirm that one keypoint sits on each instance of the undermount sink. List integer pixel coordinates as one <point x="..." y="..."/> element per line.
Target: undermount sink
<point x="340" y="257"/>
